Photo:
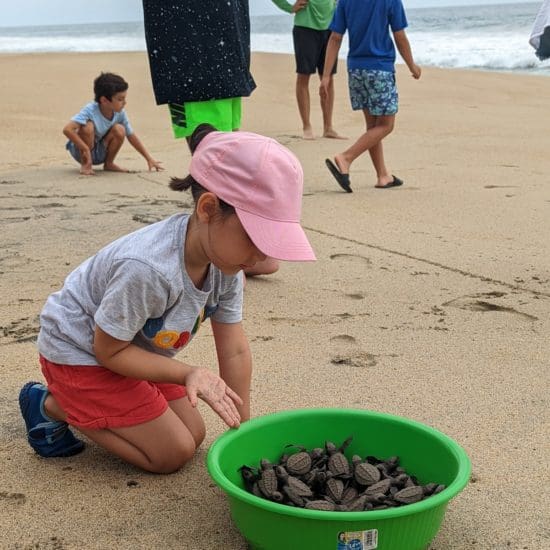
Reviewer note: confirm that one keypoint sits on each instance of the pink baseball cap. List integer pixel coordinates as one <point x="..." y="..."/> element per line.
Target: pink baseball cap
<point x="263" y="181"/>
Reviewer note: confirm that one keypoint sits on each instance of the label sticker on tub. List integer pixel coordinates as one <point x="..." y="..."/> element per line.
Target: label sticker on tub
<point x="358" y="540"/>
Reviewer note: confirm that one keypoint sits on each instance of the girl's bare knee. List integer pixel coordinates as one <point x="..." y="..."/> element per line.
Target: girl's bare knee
<point x="173" y="460"/>
<point x="198" y="435"/>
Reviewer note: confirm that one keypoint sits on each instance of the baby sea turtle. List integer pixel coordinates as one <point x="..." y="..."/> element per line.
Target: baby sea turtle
<point x="296" y="485"/>
<point x="267" y="483"/>
<point x="357" y="505"/>
<point x="324" y="505"/>
<point x="382" y="486"/>
<point x="409" y="495"/>
<point x="334" y="489"/>
<point x="349" y="494"/>
<point x="293" y="496"/>
<point x="299" y="463"/>
<point x="338" y="464"/>
<point x="249" y="476"/>
<point x="366" y="474"/>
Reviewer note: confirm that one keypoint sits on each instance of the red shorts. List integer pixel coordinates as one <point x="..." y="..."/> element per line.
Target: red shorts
<point x="96" y="398"/>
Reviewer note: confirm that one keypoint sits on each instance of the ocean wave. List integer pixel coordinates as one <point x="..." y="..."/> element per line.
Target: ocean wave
<point x="507" y="51"/>
<point x="69" y="43"/>
<point x="482" y="37"/>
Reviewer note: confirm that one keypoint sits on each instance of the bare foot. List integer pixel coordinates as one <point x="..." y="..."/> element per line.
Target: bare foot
<point x="333" y="134"/>
<point x="87" y="171"/>
<point x="308" y="133"/>
<point x="342" y="163"/>
<point x="112" y="167"/>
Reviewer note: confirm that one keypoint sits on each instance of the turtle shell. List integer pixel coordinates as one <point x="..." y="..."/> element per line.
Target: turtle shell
<point x="366" y="474"/>
<point x="299" y="487"/>
<point x="379" y="487"/>
<point x="323" y="505"/>
<point x="298" y="464"/>
<point x="334" y="489"/>
<point x="357" y="505"/>
<point x="268" y="482"/>
<point x="338" y="464"/>
<point x="348" y="495"/>
<point x="408" y="495"/>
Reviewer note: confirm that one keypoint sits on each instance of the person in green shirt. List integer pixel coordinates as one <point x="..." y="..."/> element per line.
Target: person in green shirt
<point x="310" y="35"/>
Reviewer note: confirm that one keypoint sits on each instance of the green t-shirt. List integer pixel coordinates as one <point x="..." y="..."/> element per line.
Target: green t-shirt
<point x="316" y="15"/>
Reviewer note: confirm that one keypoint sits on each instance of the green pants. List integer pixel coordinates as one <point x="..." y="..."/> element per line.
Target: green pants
<point x="223" y="114"/>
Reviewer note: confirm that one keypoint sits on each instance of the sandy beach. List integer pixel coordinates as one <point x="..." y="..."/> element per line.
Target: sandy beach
<point x="431" y="301"/>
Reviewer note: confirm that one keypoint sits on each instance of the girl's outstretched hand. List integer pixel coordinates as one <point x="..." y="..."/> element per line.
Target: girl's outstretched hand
<point x="203" y="383"/>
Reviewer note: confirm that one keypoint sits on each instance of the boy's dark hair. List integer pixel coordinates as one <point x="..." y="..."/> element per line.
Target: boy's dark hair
<point x="107" y="85"/>
<point x="178" y="184"/>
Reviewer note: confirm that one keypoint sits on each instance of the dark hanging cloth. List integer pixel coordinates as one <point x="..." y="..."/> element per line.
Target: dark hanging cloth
<point x="540" y="35"/>
<point x="198" y="49"/>
<point x="543" y="51"/>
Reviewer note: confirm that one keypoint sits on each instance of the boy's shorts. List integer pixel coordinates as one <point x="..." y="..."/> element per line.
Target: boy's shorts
<point x="99" y="152"/>
<point x="310" y="47"/>
<point x="373" y="90"/>
<point x="223" y="114"/>
<point x="95" y="398"/>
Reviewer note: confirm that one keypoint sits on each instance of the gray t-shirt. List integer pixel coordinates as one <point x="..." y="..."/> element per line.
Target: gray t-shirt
<point x="136" y="289"/>
<point x="92" y="112"/>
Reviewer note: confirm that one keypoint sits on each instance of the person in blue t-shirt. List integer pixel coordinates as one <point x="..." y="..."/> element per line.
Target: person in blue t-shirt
<point x="371" y="77"/>
<point x="97" y="132"/>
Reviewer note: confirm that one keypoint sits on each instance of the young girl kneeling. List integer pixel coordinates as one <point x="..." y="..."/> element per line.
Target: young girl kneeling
<point x="108" y="338"/>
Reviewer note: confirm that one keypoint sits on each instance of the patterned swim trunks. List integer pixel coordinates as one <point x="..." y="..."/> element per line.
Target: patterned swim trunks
<point x="373" y="90"/>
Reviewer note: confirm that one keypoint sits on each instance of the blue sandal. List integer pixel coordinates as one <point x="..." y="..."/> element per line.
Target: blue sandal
<point x="48" y="437"/>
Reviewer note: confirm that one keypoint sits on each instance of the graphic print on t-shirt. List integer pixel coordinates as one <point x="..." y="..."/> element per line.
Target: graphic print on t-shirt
<point x="165" y="339"/>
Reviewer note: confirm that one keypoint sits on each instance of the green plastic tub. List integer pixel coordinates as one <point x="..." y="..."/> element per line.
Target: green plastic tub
<point x="266" y="525"/>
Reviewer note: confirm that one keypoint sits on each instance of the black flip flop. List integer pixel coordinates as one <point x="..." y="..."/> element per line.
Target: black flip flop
<point x="395" y="183"/>
<point x="342" y="179"/>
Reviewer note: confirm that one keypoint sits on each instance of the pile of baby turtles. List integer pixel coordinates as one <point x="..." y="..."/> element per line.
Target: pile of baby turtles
<point x="324" y="479"/>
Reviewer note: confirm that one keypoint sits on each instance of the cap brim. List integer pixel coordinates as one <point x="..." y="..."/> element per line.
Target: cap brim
<point x="277" y="239"/>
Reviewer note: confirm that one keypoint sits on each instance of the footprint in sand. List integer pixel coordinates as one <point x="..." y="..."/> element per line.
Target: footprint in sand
<point x="345" y="338"/>
<point x="480" y="302"/>
<point x="286" y="139"/>
<point x="499" y="186"/>
<point x="355" y="295"/>
<point x="262" y="338"/>
<point x="361" y="359"/>
<point x="22" y="330"/>
<point x="15" y="498"/>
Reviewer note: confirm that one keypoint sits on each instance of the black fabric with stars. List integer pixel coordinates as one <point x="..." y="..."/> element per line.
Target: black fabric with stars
<point x="198" y="49"/>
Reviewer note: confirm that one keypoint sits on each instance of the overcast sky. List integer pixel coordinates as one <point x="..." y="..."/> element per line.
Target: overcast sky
<point x="52" y="12"/>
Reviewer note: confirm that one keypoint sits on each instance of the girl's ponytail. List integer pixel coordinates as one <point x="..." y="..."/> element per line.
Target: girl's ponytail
<point x="189" y="182"/>
<point x="198" y="134"/>
<point x="179" y="184"/>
